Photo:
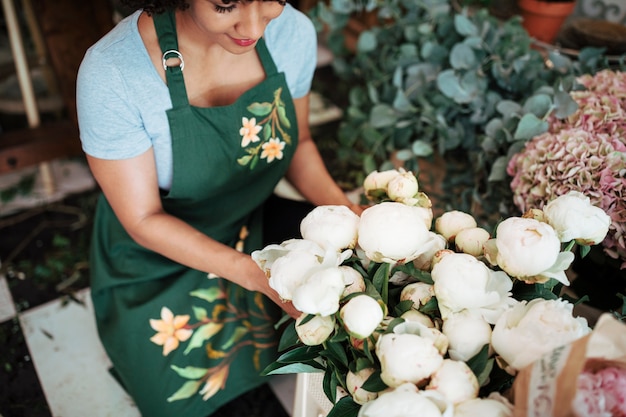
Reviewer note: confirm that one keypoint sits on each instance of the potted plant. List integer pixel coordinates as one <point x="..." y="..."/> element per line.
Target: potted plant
<point x="543" y="18"/>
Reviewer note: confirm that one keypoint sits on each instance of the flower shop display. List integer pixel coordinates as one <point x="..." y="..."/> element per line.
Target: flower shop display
<point x="403" y="322"/>
<point x="585" y="152"/>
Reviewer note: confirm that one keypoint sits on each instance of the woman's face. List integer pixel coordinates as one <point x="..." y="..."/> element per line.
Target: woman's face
<point x="236" y="26"/>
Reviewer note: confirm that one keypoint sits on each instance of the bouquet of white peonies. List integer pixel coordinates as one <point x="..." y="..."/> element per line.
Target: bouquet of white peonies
<point x="407" y="315"/>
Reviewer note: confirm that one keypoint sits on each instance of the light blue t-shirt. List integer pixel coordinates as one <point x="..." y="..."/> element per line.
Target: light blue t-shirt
<point x="121" y="100"/>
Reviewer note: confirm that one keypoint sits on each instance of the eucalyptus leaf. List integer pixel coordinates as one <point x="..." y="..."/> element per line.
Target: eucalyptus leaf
<point x="529" y="127"/>
<point x="565" y="105"/>
<point x="450" y="85"/>
<point x="462" y="57"/>
<point x="404" y="155"/>
<point x="464" y="26"/>
<point x="367" y="41"/>
<point x="422" y="148"/>
<point x="382" y="115"/>
<point x="539" y="105"/>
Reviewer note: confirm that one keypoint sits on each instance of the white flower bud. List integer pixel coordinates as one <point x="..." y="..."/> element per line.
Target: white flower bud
<point x="450" y="223"/>
<point x="331" y="227"/>
<point x="354" y="381"/>
<point x="353" y="281"/>
<point x="419" y="293"/>
<point x="402" y="186"/>
<point x="467" y="333"/>
<point x="472" y="241"/>
<point x="361" y="315"/>
<point x="315" y="331"/>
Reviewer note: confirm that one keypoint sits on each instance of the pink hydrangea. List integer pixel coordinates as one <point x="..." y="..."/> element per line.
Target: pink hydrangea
<point x="601" y="394"/>
<point x="585" y="152"/>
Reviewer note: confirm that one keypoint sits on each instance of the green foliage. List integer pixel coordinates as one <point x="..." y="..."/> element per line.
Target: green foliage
<point x="427" y="79"/>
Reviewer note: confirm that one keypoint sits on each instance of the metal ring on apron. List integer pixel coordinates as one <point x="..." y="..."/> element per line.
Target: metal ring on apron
<point x="177" y="55"/>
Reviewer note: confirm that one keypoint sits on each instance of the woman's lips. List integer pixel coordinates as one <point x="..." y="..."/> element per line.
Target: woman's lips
<point x="244" y="42"/>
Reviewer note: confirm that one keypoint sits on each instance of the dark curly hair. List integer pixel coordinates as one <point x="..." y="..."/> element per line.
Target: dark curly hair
<point x="160" y="6"/>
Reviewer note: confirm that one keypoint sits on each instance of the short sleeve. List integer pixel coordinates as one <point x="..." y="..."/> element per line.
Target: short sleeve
<point x="292" y="41"/>
<point x="110" y="125"/>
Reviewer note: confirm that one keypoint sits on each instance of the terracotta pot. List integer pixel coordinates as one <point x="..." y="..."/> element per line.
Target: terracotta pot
<point x="543" y="19"/>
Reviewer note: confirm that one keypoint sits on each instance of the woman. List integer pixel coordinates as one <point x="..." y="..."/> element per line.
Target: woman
<point x="190" y="112"/>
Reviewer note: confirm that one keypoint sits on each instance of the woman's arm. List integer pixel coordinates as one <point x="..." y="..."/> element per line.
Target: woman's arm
<point x="307" y="171"/>
<point x="130" y="186"/>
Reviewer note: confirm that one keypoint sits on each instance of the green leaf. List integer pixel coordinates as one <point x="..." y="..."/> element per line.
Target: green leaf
<point x="289" y="338"/>
<point x="508" y="108"/>
<point x="565" y="105"/>
<point x="282" y="116"/>
<point x="381" y="281"/>
<point x="464" y="26"/>
<point x="208" y="294"/>
<point x="300" y="354"/>
<point x="345" y="407"/>
<point x="539" y="105"/>
<point x="292" y="368"/>
<point x="422" y="148"/>
<point x="329" y="385"/>
<point x="374" y="383"/>
<point x="201" y="334"/>
<point x="462" y="57"/>
<point x="382" y="115"/>
<point x="367" y="41"/>
<point x="478" y="362"/>
<point x="190" y="372"/>
<point x="188" y="389"/>
<point x="530" y="126"/>
<point x="260" y="109"/>
<point x="450" y="85"/>
<point x="199" y="313"/>
<point x="244" y="160"/>
<point x="404" y="155"/>
<point x="235" y="337"/>
<point x="498" y="170"/>
<point x="267" y="131"/>
<point x="335" y="353"/>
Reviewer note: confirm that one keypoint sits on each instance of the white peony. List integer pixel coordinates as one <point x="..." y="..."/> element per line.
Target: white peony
<point x="331" y="227"/>
<point x="463" y="282"/>
<point x="315" y="331"/>
<point x="392" y="232"/>
<point x="361" y="315"/>
<point x="406" y="357"/>
<point x="319" y="292"/>
<point x="467" y="333"/>
<point x="425" y="260"/>
<point x="472" y="241"/>
<point x="483" y="407"/>
<point x="455" y="381"/>
<point x="574" y="218"/>
<point x="530" y="329"/>
<point x="266" y="257"/>
<point x="419" y="317"/>
<point x="354" y="381"/>
<point x="291" y="270"/>
<point x="407" y="401"/>
<point x="450" y="223"/>
<point x="529" y="250"/>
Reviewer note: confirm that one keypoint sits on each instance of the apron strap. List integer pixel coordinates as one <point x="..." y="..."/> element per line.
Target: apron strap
<point x="165" y="25"/>
<point x="266" y="59"/>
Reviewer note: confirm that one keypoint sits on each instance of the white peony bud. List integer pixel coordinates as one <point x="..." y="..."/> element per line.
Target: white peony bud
<point x="455" y="380"/>
<point x="529" y="330"/>
<point x="467" y="333"/>
<point x="315" y="331"/>
<point x="419" y="293"/>
<point x="392" y="232"/>
<point x="574" y="218"/>
<point x="463" y="282"/>
<point x="425" y="260"/>
<point x="361" y="315"/>
<point x="376" y="182"/>
<point x="353" y="281"/>
<point x="331" y="227"/>
<point x="419" y="317"/>
<point x="450" y="223"/>
<point x="402" y="186"/>
<point x="472" y="241"/>
<point x="354" y="381"/>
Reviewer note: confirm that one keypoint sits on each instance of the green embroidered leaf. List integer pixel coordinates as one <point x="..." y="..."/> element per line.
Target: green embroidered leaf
<point x="282" y="116"/>
<point x="236" y="336"/>
<point x="199" y="313"/>
<point x="190" y="372"/>
<point x="255" y="160"/>
<point x="267" y="131"/>
<point x="260" y="109"/>
<point x="244" y="160"/>
<point x="202" y="334"/>
<point x="208" y="294"/>
<point x="188" y="389"/>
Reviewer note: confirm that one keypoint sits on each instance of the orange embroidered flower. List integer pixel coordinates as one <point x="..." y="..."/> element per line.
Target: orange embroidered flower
<point x="215" y="382"/>
<point x="273" y="149"/>
<point x="170" y="330"/>
<point x="248" y="131"/>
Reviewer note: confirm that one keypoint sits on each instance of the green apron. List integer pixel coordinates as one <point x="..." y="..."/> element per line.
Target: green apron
<point x="183" y="344"/>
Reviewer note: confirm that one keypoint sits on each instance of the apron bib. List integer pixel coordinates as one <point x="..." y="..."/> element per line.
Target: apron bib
<point x="183" y="344"/>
